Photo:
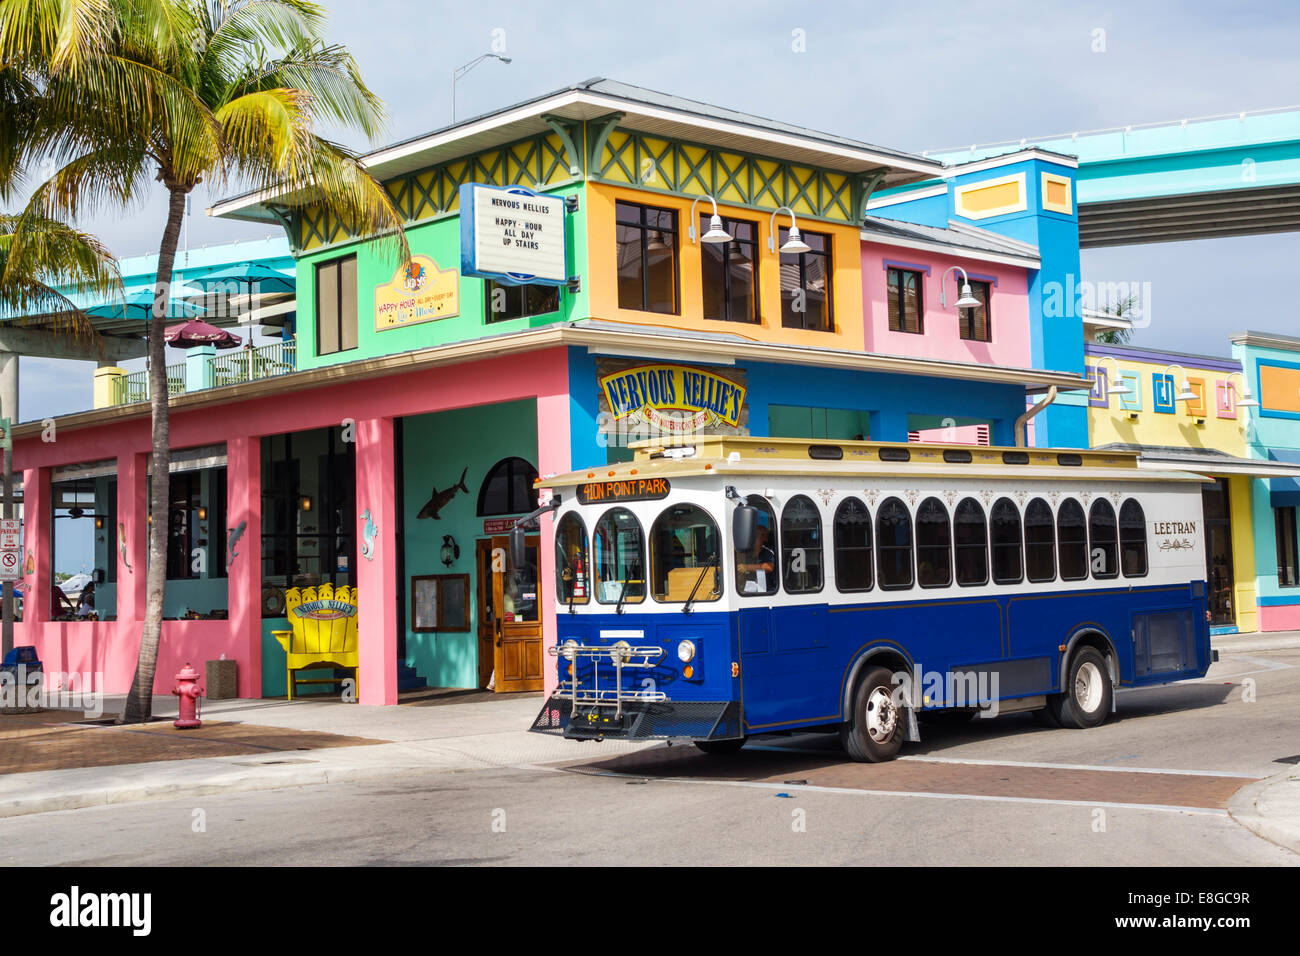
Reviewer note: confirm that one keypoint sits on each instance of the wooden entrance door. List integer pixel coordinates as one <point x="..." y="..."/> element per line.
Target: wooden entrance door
<point x="510" y="626"/>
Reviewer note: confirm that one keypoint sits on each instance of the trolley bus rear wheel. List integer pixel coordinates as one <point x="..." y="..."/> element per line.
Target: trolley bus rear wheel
<point x="874" y="732"/>
<point x="1086" y="694"/>
<point x="721" y="747"/>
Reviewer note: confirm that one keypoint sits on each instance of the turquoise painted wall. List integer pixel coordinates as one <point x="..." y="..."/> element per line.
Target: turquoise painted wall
<point x="439" y="239"/>
<point x="436" y="448"/>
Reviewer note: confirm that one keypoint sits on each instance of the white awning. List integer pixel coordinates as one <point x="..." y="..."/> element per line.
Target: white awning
<point x="1221" y="465"/>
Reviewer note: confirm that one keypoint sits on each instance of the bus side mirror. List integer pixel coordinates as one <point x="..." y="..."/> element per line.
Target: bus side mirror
<point x="518" y="548"/>
<point x="744" y="521"/>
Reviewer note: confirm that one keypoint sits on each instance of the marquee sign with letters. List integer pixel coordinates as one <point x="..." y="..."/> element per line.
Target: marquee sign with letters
<point x="512" y="235"/>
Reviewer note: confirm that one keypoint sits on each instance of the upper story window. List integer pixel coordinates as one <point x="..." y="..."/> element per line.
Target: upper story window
<point x="336" y="305"/>
<point x="730" y="272"/>
<point x="519" y="301"/>
<point x="906" y="305"/>
<point x="647" y="258"/>
<point x="973" y="323"/>
<point x="806" y="284"/>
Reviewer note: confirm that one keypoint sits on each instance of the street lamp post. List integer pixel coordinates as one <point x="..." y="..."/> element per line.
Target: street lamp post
<point x="462" y="70"/>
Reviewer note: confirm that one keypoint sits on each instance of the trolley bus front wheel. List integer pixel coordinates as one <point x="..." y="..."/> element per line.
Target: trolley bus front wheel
<point x="874" y="732"/>
<point x="1085" y="700"/>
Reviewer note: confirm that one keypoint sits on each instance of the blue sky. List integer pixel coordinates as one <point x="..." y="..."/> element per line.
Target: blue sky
<point x="909" y="76"/>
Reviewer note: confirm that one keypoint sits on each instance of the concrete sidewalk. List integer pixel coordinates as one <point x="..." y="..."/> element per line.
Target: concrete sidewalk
<point x="448" y="737"/>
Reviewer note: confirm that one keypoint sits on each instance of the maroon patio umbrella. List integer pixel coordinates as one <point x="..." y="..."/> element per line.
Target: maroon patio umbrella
<point x="197" y="332"/>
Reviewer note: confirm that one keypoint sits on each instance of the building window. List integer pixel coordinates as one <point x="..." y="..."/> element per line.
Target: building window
<point x="806" y="284"/>
<point x="647" y="258"/>
<point x="801" y="545"/>
<point x="336" y="306"/>
<point x="906" y="303"/>
<point x="519" y="301"/>
<point x="508" y="488"/>
<point x="190" y="514"/>
<point x="853" y="546"/>
<point x="730" y="272"/>
<point x="973" y="323"/>
<point x="1288" y="568"/>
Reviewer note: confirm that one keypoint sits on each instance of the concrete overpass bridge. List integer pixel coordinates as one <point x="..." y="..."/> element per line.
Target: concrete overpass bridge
<point x="1232" y="175"/>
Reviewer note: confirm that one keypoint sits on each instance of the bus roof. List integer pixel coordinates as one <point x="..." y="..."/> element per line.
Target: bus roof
<point x="739" y="456"/>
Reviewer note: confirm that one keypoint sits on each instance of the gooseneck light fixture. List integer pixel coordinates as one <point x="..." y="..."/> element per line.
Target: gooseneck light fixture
<point x="1246" y="400"/>
<point x="794" y="244"/>
<point x="462" y="70"/>
<point x="1185" y="394"/>
<point x="450" y="550"/>
<point x="716" y="233"/>
<point x="1118" y="386"/>
<point x="967" y="299"/>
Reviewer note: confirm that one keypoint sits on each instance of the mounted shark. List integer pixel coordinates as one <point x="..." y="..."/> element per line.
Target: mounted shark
<point x="442" y="498"/>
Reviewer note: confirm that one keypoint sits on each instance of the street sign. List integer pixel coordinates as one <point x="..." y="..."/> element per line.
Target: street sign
<point x="11" y="555"/>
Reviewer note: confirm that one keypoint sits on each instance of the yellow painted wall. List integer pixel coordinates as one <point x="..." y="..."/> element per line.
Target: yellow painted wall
<point x="1243" y="554"/>
<point x="602" y="280"/>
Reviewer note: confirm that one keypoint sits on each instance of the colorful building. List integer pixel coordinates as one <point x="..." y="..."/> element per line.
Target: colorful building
<point x="1200" y="414"/>
<point x="424" y="399"/>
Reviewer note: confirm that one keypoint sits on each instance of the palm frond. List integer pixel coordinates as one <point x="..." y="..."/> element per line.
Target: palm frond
<point x="43" y="263"/>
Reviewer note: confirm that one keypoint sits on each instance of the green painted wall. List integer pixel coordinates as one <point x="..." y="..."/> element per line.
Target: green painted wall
<point x="436" y="448"/>
<point x="439" y="239"/>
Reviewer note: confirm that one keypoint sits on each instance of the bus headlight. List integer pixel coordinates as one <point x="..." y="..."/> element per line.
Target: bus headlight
<point x="621" y="652"/>
<point x="568" y="649"/>
<point x="686" y="651"/>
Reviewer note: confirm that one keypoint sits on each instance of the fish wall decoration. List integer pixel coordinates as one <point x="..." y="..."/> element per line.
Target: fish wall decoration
<point x="441" y="499"/>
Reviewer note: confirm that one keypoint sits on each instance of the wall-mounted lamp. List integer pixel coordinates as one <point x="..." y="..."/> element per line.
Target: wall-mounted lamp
<point x="716" y="233"/>
<point x="1185" y="394"/>
<point x="203" y="513"/>
<point x="1117" y="385"/>
<point x="450" y="550"/>
<point x="1246" y="400"/>
<point x="304" y="503"/>
<point x="794" y="244"/>
<point x="967" y="299"/>
<point x="99" y="522"/>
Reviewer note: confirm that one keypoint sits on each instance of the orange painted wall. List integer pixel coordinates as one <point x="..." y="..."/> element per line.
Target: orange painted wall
<point x="601" y="278"/>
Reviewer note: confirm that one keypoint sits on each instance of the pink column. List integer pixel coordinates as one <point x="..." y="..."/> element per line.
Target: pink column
<point x="553" y="458"/>
<point x="244" y="516"/>
<point x="376" y="561"/>
<point x="36" y="541"/>
<point x="133" y="521"/>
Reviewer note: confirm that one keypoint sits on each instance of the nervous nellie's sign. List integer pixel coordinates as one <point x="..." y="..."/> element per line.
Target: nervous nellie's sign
<point x="419" y="292"/>
<point x="512" y="234"/>
<point x="627" y="489"/>
<point x="673" y="398"/>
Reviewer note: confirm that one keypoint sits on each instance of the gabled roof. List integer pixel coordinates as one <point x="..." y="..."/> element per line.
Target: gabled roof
<point x="958" y="239"/>
<point x="647" y="111"/>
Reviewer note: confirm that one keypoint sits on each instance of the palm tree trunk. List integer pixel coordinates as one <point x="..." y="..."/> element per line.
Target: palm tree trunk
<point x="139" y="702"/>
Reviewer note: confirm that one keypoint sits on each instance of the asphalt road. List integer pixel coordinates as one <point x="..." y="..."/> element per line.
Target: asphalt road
<point x="1002" y="791"/>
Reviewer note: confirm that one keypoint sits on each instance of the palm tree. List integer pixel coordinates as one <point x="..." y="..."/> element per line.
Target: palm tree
<point x="44" y="264"/>
<point x="1122" y="309"/>
<point x="182" y="92"/>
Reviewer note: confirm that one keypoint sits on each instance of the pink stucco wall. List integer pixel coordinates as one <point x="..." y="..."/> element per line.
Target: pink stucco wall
<point x="1008" y="311"/>
<point x="110" y="648"/>
<point x="1279" y="617"/>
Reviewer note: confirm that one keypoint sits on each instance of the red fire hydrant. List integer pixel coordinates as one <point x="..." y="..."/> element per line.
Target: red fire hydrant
<point x="188" y="690"/>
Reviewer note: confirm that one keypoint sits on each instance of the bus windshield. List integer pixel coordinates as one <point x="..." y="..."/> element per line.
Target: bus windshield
<point x="620" y="558"/>
<point x="684" y="555"/>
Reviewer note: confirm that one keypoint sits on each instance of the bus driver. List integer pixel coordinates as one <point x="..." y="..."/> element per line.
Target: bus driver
<point x="755" y="574"/>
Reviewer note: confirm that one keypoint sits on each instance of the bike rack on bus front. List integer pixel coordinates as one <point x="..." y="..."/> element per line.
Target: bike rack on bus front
<point x="621" y="655"/>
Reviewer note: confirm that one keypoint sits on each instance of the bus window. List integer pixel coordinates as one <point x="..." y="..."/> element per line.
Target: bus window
<point x="1133" y="539"/>
<point x="971" y="543"/>
<point x="619" y="558"/>
<point x="684" y="555"/>
<point x="1040" y="542"/>
<point x="894" y="545"/>
<point x="853" y="546"/>
<point x="933" y="545"/>
<point x="572" y="585"/>
<point x="756" y="571"/>
<point x="1008" y="561"/>
<point x="1103" y="540"/>
<point x="1072" y="540"/>
<point x="801" y="545"/>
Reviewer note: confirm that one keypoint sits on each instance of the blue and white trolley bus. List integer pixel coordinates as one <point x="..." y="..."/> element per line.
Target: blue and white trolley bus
<point x="748" y="586"/>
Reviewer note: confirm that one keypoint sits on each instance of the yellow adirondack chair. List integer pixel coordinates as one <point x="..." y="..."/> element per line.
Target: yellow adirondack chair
<point x="324" y="622"/>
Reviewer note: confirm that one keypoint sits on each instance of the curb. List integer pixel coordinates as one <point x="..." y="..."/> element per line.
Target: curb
<point x="1270" y="809"/>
